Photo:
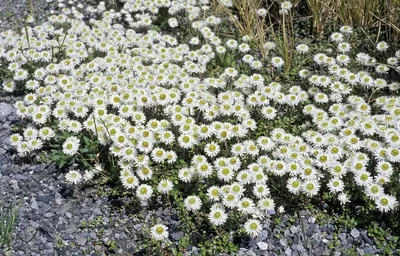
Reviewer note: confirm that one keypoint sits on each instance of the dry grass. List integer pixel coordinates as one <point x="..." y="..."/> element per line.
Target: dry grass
<point x="382" y="16"/>
<point x="275" y="27"/>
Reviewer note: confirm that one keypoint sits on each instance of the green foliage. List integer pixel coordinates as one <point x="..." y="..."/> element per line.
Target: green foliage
<point x="8" y="219"/>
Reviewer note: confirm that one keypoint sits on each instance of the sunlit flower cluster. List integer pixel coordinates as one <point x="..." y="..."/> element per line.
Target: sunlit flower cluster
<point x="151" y="99"/>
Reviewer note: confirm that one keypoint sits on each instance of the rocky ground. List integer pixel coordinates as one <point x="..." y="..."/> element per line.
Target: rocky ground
<point x="53" y="220"/>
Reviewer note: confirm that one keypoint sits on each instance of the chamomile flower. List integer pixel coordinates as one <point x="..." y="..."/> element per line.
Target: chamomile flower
<point x="230" y="200"/>
<point x="256" y="64"/>
<point x="265" y="143"/>
<point x="185" y="174"/>
<point x="245" y="205"/>
<point x="343" y="198"/>
<point x="268" y="112"/>
<point x="374" y="191"/>
<point x="266" y="204"/>
<point x="71" y="146"/>
<point x="335" y="185"/>
<point x="386" y="203"/>
<point x="217" y="217"/>
<point x="15" y="139"/>
<point x="129" y="181"/>
<point x="173" y="22"/>
<point x="336" y="37"/>
<point x="144" y="192"/>
<point x="204" y="169"/>
<point x="302" y="48"/>
<point x="277" y="62"/>
<point x="144" y="172"/>
<point x="294" y="185"/>
<point x="73" y="177"/>
<point x="304" y="73"/>
<point x="232" y="44"/>
<point x="262" y="12"/>
<point x="253" y="227"/>
<point x="213" y="193"/>
<point x="159" y="232"/>
<point x="311" y="187"/>
<point x="225" y="173"/>
<point x="192" y="203"/>
<point x="186" y="140"/>
<point x="260" y="190"/>
<point x="382" y="46"/>
<point x="346" y="29"/>
<point x="363" y="178"/>
<point x="212" y="149"/>
<point x="165" y="186"/>
<point x="344" y="47"/>
<point x="269" y="46"/>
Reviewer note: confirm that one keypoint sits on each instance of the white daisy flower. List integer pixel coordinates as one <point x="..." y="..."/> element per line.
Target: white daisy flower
<point x="71" y="146"/>
<point x="192" y="203"/>
<point x="253" y="227"/>
<point x="73" y="177"/>
<point x="144" y="192"/>
<point x="165" y="186"/>
<point x="217" y="217"/>
<point x="159" y="232"/>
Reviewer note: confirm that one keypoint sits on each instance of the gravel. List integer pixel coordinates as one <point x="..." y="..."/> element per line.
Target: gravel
<point x="53" y="222"/>
<point x="12" y="12"/>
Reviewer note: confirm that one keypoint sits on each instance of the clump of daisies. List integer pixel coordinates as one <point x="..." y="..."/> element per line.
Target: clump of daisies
<point x="150" y="99"/>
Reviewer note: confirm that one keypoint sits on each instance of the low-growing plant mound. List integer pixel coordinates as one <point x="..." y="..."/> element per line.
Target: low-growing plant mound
<point x="154" y="97"/>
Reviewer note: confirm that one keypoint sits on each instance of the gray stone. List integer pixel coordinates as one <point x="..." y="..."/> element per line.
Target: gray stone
<point x="5" y="110"/>
<point x="263" y="246"/>
<point x="294" y="229"/>
<point x="84" y="234"/>
<point x="366" y="238"/>
<point x="21" y="177"/>
<point x="318" y="251"/>
<point x="3" y="160"/>
<point x="300" y="248"/>
<point x="81" y="240"/>
<point x="97" y="211"/>
<point x="45" y="198"/>
<point x="49" y="214"/>
<point x="311" y="229"/>
<point x="177" y="235"/>
<point x="304" y="213"/>
<point x="70" y="230"/>
<point x="288" y="251"/>
<point x="28" y="233"/>
<point x="68" y="215"/>
<point x="252" y="242"/>
<point x="355" y="233"/>
<point x="342" y="236"/>
<point x="360" y="251"/>
<point x="34" y="205"/>
<point x="263" y="235"/>
<point x="283" y="242"/>
<point x="369" y="250"/>
<point x="14" y="184"/>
